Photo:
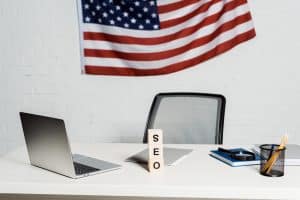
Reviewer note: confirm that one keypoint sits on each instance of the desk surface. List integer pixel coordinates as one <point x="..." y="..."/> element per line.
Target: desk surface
<point x="197" y="176"/>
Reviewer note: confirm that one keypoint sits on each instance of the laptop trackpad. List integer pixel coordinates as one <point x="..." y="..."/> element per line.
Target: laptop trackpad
<point x="92" y="162"/>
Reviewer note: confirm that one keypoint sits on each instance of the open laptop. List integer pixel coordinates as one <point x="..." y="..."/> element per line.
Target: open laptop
<point x="48" y="148"/>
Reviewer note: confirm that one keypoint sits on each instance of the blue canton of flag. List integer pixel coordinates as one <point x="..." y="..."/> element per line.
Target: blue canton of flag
<point x="138" y="14"/>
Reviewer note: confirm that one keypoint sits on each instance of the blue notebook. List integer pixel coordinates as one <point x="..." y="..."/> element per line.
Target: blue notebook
<point x="225" y="157"/>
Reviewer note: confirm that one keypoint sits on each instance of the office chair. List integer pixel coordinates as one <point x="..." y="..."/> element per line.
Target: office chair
<point x="188" y="118"/>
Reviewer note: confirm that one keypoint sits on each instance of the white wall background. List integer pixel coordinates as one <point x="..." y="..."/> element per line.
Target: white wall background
<point x="40" y="73"/>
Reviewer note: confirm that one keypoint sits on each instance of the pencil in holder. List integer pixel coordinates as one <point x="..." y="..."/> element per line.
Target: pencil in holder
<point x="272" y="160"/>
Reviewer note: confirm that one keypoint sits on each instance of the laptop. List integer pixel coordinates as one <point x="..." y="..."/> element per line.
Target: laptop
<point x="48" y="148"/>
<point x="172" y="156"/>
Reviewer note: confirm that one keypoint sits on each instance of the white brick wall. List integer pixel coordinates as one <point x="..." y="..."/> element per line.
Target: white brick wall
<point x="40" y="72"/>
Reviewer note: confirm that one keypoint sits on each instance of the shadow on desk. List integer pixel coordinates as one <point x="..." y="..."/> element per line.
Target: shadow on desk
<point x="56" y="197"/>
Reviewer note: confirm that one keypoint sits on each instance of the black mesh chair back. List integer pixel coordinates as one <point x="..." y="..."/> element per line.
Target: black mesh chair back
<point x="188" y="118"/>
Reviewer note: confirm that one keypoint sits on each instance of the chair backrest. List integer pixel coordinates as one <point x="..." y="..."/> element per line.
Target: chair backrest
<point x="190" y="118"/>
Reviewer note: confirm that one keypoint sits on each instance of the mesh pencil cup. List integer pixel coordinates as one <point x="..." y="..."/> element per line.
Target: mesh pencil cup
<point x="272" y="160"/>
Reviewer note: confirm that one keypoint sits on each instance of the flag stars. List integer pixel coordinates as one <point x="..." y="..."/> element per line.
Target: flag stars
<point x="125" y="14"/>
<point x="145" y="9"/>
<point x="133" y="20"/>
<point x="87" y="19"/>
<point x="153" y="15"/>
<point x="131" y="14"/>
<point x="105" y="14"/>
<point x="112" y="22"/>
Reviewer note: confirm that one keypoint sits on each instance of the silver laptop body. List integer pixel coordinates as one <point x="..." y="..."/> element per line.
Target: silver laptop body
<point x="48" y="148"/>
<point x="171" y="156"/>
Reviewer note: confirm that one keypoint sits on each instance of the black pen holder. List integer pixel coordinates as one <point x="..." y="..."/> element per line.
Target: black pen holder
<point x="272" y="160"/>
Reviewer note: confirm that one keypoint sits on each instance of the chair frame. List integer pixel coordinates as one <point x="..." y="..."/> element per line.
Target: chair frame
<point x="219" y="137"/>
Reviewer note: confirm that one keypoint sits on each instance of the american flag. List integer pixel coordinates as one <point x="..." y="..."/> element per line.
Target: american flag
<point x="152" y="37"/>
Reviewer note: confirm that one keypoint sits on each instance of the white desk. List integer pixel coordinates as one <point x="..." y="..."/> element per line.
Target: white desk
<point x="197" y="176"/>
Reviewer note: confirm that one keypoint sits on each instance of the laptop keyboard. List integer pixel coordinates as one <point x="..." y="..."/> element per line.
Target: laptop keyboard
<point x="83" y="169"/>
